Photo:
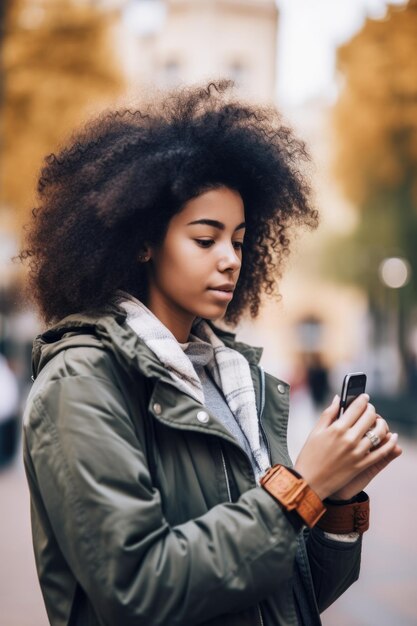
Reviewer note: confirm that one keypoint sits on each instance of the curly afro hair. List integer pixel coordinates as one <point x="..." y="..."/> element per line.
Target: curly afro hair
<point x="114" y="188"/>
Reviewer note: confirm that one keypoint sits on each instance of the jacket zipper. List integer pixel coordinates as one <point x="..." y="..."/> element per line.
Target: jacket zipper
<point x="229" y="495"/>
<point x="261" y="410"/>
<point x="261" y="621"/>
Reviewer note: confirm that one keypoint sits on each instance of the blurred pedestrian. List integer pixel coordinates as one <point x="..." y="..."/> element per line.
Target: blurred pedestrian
<point x="318" y="379"/>
<point x="150" y="431"/>
<point x="9" y="420"/>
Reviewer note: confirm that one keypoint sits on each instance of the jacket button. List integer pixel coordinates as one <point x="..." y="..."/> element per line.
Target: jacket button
<point x="157" y="408"/>
<point x="281" y="388"/>
<point x="203" y="417"/>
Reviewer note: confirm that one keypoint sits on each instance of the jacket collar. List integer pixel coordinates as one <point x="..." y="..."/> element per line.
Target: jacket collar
<point x="108" y="328"/>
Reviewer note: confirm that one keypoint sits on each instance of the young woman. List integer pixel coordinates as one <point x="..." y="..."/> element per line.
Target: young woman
<point x="149" y="430"/>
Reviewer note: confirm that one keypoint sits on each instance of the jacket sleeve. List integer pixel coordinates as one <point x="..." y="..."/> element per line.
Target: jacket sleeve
<point x="107" y="518"/>
<point x="334" y="566"/>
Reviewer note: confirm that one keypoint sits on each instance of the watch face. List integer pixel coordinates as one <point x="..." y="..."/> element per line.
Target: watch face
<point x="284" y="486"/>
<point x="294" y="494"/>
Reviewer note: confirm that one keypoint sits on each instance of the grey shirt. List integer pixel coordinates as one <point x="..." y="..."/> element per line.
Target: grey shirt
<point x="200" y="354"/>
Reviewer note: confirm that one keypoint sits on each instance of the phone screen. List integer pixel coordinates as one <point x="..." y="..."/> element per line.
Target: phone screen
<point x="353" y="386"/>
<point x="353" y="392"/>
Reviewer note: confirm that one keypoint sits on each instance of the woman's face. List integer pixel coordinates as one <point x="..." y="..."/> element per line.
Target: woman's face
<point x="194" y="271"/>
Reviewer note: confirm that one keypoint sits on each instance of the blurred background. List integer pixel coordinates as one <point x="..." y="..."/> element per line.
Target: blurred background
<point x="344" y="74"/>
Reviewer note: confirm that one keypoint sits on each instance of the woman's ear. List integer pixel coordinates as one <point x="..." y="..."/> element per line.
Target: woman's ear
<point x="144" y="255"/>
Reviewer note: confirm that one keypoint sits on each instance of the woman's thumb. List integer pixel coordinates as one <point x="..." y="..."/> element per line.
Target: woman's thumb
<point x="330" y="413"/>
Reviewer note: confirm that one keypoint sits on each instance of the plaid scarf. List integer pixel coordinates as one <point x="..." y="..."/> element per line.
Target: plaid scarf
<point x="229" y="369"/>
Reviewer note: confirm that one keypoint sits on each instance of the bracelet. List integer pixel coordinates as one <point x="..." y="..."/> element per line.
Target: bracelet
<point x="342" y="519"/>
<point x="342" y="502"/>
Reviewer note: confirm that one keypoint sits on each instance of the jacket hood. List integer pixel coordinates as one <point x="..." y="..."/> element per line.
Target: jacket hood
<point x="107" y="328"/>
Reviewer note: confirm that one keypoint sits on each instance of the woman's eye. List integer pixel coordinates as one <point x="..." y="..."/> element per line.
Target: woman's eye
<point x="207" y="243"/>
<point x="204" y="243"/>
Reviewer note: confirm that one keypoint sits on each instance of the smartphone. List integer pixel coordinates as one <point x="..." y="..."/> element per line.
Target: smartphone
<point x="353" y="385"/>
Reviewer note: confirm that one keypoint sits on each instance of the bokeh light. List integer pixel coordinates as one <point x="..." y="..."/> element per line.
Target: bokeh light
<point x="394" y="272"/>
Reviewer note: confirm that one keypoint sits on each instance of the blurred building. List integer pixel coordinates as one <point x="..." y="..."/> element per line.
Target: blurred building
<point x="318" y="320"/>
<point x="164" y="44"/>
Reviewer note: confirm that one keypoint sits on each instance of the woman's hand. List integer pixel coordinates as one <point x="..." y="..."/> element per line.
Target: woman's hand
<point x="337" y="459"/>
<point x="364" y="478"/>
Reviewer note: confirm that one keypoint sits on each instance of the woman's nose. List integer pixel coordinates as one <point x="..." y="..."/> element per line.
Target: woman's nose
<point x="229" y="260"/>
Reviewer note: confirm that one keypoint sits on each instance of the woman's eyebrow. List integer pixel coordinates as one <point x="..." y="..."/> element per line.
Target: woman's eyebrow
<point x="215" y="224"/>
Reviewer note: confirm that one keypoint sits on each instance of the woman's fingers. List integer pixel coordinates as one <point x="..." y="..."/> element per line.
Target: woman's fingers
<point x="366" y="421"/>
<point x="338" y="450"/>
<point x="387" y="451"/>
<point x="330" y="414"/>
<point x="355" y="410"/>
<point x="374" y="436"/>
<point x="369" y="429"/>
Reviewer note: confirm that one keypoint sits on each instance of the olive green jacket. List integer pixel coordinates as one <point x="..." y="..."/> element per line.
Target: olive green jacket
<point x="145" y="515"/>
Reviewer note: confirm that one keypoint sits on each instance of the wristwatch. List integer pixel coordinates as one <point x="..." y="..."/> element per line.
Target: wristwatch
<point x="293" y="493"/>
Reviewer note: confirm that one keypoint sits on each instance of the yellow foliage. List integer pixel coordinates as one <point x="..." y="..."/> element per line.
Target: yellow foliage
<point x="375" y="119"/>
<point x="55" y="68"/>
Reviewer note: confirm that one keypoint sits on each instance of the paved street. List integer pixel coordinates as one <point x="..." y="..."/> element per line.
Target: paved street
<point x="385" y="595"/>
<point x="20" y="598"/>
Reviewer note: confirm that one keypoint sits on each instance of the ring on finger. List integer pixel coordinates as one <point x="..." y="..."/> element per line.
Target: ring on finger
<point x="373" y="438"/>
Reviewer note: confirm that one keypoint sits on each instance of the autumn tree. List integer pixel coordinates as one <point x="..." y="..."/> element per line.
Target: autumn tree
<point x="375" y="123"/>
<point x="4" y="6"/>
<point x="58" y="63"/>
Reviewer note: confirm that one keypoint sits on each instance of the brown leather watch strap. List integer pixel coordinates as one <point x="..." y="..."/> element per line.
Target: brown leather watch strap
<point x="346" y="518"/>
<point x="293" y="493"/>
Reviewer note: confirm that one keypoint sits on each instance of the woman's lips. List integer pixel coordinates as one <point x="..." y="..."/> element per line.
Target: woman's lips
<point x="222" y="294"/>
